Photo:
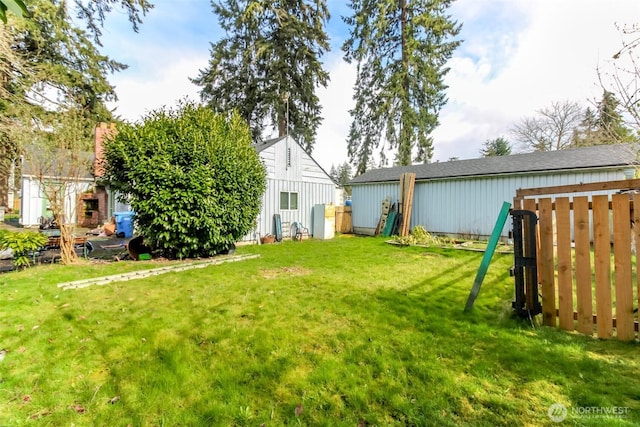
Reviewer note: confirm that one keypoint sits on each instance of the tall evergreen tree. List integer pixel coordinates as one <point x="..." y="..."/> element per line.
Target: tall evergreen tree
<point x="268" y="66"/>
<point x="605" y="125"/>
<point x="586" y="132"/>
<point x="610" y="122"/>
<point x="401" y="49"/>
<point x="496" y="147"/>
<point x="623" y="78"/>
<point x="344" y="176"/>
<point x="53" y="77"/>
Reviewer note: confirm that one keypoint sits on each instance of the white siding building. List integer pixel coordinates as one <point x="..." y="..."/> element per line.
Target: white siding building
<point x="295" y="183"/>
<point x="53" y="170"/>
<point x="35" y="204"/>
<point x="464" y="197"/>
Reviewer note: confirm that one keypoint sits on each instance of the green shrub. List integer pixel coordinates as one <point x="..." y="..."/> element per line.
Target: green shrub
<point x="192" y="177"/>
<point x="22" y="244"/>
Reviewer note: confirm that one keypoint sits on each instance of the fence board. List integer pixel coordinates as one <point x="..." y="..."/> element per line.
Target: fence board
<point x="343" y="219"/>
<point x="602" y="263"/>
<point x="565" y="276"/>
<point x="579" y="188"/>
<point x="547" y="270"/>
<point x="517" y="203"/>
<point x="622" y="261"/>
<point x="584" y="294"/>
<point x="636" y="235"/>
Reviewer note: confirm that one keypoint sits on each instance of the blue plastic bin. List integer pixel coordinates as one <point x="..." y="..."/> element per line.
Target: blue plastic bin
<point x="124" y="224"/>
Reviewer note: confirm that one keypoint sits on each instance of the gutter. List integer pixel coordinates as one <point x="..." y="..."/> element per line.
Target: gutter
<point x="491" y="175"/>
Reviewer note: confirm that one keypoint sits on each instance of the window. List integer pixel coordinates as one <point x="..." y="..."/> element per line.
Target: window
<point x="288" y="201"/>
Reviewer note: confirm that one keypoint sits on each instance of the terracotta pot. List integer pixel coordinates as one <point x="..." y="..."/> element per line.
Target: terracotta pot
<point x="267" y="239"/>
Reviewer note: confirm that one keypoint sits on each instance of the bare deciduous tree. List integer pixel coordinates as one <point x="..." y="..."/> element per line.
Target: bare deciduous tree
<point x="552" y="129"/>
<point x="623" y="76"/>
<point x="58" y="154"/>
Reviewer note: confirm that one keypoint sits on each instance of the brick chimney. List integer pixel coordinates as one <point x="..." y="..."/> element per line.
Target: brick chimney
<point x="102" y="130"/>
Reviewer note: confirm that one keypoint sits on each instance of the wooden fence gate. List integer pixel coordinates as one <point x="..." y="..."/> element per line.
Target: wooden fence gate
<point x="586" y="262"/>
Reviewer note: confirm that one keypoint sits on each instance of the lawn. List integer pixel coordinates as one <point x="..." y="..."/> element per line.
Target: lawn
<point x="347" y="332"/>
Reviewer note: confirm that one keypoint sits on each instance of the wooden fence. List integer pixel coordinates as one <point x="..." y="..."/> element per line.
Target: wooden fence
<point x="343" y="219"/>
<point x="585" y="256"/>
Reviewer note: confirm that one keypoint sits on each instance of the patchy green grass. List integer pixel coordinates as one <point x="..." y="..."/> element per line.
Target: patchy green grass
<point x="338" y="333"/>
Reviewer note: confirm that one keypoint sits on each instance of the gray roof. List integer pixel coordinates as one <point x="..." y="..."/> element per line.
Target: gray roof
<point x="602" y="156"/>
<point x="55" y="163"/>
<point x="268" y="143"/>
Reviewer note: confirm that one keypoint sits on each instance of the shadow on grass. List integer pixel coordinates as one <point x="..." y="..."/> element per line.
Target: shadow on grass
<point x="491" y="348"/>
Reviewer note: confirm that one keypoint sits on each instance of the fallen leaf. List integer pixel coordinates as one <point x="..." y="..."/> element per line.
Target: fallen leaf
<point x="26" y="398"/>
<point x="82" y="317"/>
<point x="22" y="349"/>
<point x="20" y="328"/>
<point x="114" y="400"/>
<point x="65" y="305"/>
<point x="35" y="327"/>
<point x="298" y="410"/>
<point x="78" y="408"/>
<point x="50" y="340"/>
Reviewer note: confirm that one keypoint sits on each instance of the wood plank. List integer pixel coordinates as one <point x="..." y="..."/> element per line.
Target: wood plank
<point x="578" y="188"/>
<point x="343" y="219"/>
<point x="547" y="268"/>
<point x="565" y="273"/>
<point x="486" y="258"/>
<point x="636" y="235"/>
<point x="622" y="262"/>
<point x="409" y="189"/>
<point x="517" y="203"/>
<point x="401" y="194"/>
<point x="403" y="199"/>
<point x="584" y="294"/>
<point x="636" y="326"/>
<point x="602" y="264"/>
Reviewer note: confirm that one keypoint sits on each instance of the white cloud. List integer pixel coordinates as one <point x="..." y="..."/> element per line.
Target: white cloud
<point x="518" y="56"/>
<point x="558" y="48"/>
<point x="336" y="100"/>
<point x="139" y="94"/>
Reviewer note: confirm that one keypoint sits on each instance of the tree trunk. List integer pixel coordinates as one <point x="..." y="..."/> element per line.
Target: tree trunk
<point x="56" y="198"/>
<point x="282" y="125"/>
<point x="67" y="250"/>
<point x="404" y="145"/>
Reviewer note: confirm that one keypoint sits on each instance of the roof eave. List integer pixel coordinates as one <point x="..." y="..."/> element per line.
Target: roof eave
<point x="488" y="175"/>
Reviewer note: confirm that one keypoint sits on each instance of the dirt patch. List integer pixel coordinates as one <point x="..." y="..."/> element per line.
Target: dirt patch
<point x="289" y="271"/>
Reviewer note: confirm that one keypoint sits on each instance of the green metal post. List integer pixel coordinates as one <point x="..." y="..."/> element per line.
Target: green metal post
<point x="486" y="259"/>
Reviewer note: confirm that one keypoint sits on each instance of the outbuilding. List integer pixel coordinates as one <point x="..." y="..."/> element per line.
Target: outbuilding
<point x="295" y="183"/>
<point x="464" y="197"/>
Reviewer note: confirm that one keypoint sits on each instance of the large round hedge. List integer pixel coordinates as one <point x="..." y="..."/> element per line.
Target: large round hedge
<point x="192" y="177"/>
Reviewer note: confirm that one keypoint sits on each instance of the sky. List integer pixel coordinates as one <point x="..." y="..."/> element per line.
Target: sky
<point x="517" y="57"/>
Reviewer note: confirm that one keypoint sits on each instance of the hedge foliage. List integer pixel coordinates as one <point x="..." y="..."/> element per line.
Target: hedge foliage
<point x="22" y="244"/>
<point x="192" y="177"/>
